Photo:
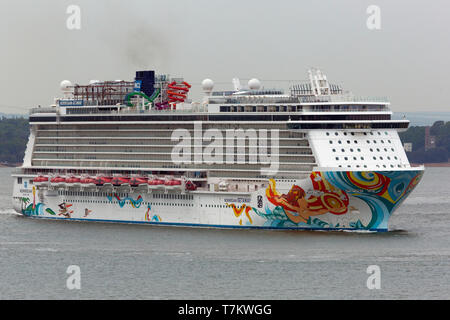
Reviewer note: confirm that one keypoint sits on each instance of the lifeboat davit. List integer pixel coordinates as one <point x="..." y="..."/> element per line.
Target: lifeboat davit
<point x="87" y="181"/>
<point x="98" y="181"/>
<point x="40" y="180"/>
<point x="190" y="186"/>
<point x="155" y="183"/>
<point x="172" y="183"/>
<point x="105" y="180"/>
<point x="137" y="181"/>
<point x="73" y="181"/>
<point x="58" y="181"/>
<point x="119" y="181"/>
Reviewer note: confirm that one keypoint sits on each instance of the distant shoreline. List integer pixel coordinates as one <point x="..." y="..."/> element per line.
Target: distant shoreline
<point x="434" y="165"/>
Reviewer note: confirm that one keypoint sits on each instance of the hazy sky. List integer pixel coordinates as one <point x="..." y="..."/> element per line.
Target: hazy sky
<point x="407" y="60"/>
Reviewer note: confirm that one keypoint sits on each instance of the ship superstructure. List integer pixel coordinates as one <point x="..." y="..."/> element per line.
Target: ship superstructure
<point x="140" y="151"/>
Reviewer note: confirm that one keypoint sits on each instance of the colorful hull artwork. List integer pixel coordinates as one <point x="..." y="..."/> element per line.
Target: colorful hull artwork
<point x="326" y="200"/>
<point x="339" y="200"/>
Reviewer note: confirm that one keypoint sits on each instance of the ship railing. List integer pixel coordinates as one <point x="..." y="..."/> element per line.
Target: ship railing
<point x="342" y="98"/>
<point x="42" y="110"/>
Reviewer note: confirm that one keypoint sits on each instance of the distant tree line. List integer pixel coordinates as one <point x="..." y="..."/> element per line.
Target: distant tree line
<point x="416" y="136"/>
<point x="14" y="134"/>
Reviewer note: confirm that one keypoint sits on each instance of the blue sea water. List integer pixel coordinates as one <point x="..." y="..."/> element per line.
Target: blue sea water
<point x="121" y="261"/>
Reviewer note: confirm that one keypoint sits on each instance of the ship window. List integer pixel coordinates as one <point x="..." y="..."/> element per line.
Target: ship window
<point x="19" y="180"/>
<point x="328" y="133"/>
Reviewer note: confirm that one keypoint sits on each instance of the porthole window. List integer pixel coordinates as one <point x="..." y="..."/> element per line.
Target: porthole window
<point x="343" y="150"/>
<point x="348" y="141"/>
<point x="340" y="142"/>
<point x="328" y="133"/>
<point x="345" y="158"/>
<point x="374" y="158"/>
<point x="351" y="150"/>
<point x="331" y="142"/>
<point x="374" y="141"/>
<point x="334" y="150"/>
<point x="336" y="133"/>
<point x="337" y="158"/>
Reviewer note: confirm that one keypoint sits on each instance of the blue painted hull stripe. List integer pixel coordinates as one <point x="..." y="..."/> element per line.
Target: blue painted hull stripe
<point x="180" y="224"/>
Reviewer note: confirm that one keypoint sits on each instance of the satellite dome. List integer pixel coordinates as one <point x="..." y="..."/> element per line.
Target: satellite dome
<point x="254" y="84"/>
<point x="207" y="85"/>
<point x="65" y="84"/>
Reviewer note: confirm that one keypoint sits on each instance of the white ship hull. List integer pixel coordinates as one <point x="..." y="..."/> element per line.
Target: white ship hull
<point x="337" y="200"/>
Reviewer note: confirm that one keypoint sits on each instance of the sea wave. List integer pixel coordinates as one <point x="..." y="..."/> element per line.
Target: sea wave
<point x="9" y="212"/>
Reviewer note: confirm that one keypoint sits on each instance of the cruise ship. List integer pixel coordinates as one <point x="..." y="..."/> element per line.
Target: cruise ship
<point x="311" y="157"/>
